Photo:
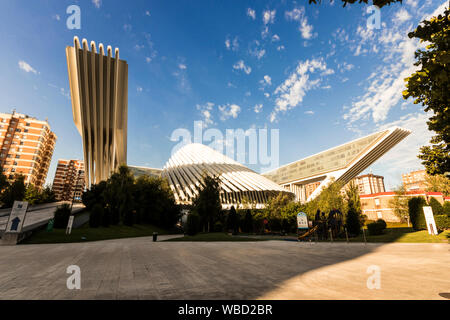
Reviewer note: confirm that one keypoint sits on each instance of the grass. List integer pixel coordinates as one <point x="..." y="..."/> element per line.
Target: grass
<point x="403" y="234"/>
<point x="91" y="234"/>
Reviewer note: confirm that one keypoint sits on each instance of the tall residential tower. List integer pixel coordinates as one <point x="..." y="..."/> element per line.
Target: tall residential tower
<point x="27" y="146"/>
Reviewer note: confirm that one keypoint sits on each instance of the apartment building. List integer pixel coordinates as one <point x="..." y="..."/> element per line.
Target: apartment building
<point x="415" y="180"/>
<point x="27" y="146"/>
<point x="370" y="183"/>
<point x="69" y="181"/>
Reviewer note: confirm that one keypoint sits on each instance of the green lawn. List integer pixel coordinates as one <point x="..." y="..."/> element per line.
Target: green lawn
<point x="403" y="234"/>
<point x="90" y="234"/>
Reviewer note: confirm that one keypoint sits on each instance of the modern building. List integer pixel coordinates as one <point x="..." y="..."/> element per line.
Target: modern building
<point x="27" y="146"/>
<point x="342" y="163"/>
<point x="378" y="205"/>
<point x="99" y="91"/>
<point x="415" y="180"/>
<point x="69" y="181"/>
<point x="369" y="184"/>
<point x="239" y="185"/>
<point x="145" y="171"/>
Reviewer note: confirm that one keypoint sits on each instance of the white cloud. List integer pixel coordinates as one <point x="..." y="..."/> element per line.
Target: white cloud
<point x="310" y="112"/>
<point x="205" y="111"/>
<point x="292" y="91"/>
<point x="26" y="67"/>
<point x="251" y="13"/>
<point x="275" y="38"/>
<point x="266" y="94"/>
<point x="402" y="15"/>
<point x="269" y="16"/>
<point x="386" y="83"/>
<point x="57" y="17"/>
<point x="232" y="44"/>
<point x="345" y="67"/>
<point x="139" y="89"/>
<point x="147" y="13"/>
<point x="280" y="48"/>
<point x="148" y="59"/>
<point x="240" y="65"/>
<point x="127" y="27"/>
<point x="182" y="66"/>
<point x="229" y="110"/>
<point x="97" y="3"/>
<point x="412" y="3"/>
<point x="266" y="81"/>
<point x="299" y="15"/>
<point x="258" y="108"/>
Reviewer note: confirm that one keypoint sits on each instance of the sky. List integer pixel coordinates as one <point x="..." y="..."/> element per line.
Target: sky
<point x="317" y="73"/>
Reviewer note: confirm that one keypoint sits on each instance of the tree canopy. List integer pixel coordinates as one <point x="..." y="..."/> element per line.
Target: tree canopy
<point x="378" y="3"/>
<point x="430" y="86"/>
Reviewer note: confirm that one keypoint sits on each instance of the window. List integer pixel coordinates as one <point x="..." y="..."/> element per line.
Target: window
<point x="2" y="155"/>
<point x="25" y="130"/>
<point x="13" y="170"/>
<point x="17" y="156"/>
<point x="27" y="124"/>
<point x="15" y="163"/>
<point x="377" y="202"/>
<point x="379" y="215"/>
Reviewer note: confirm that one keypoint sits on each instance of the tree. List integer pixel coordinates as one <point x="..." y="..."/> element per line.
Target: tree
<point x="430" y="86"/>
<point x="378" y="3"/>
<point x="435" y="206"/>
<point x="353" y="220"/>
<point x="247" y="226"/>
<point x="62" y="215"/>
<point x="207" y="202"/>
<point x="329" y="199"/>
<point x="416" y="215"/>
<point x="3" y="180"/>
<point x="438" y="183"/>
<point x="352" y="195"/>
<point x="14" y="192"/>
<point x="399" y="204"/>
<point x="33" y="195"/>
<point x="233" y="221"/>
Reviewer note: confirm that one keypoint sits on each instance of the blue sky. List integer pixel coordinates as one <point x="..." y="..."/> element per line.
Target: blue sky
<point x="315" y="72"/>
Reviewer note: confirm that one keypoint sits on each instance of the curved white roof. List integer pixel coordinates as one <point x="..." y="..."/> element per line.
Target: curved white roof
<point x="186" y="168"/>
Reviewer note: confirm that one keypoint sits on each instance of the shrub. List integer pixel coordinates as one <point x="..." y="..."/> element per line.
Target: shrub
<point x="377" y="227"/>
<point x="232" y="221"/>
<point x="353" y="221"/>
<point x="382" y="222"/>
<point x="95" y="218"/>
<point x="218" y="226"/>
<point x="416" y="216"/>
<point x="193" y="224"/>
<point x="442" y="222"/>
<point x="436" y="207"/>
<point x="446" y="208"/>
<point x="247" y="225"/>
<point x="62" y="214"/>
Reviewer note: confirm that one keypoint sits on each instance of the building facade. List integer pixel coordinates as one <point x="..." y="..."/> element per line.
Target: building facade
<point x="69" y="181"/>
<point x="27" y="146"/>
<point x="415" y="180"/>
<point x="342" y="163"/>
<point x="378" y="205"/>
<point x="99" y="92"/>
<point x="369" y="184"/>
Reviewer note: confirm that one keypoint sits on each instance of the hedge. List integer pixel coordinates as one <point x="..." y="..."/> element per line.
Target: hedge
<point x="442" y="221"/>
<point x="416" y="216"/>
<point x="377" y="227"/>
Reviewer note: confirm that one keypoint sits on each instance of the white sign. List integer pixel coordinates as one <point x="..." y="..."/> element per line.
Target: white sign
<point x="69" y="225"/>
<point x="17" y="217"/>
<point x="302" y="221"/>
<point x="429" y="219"/>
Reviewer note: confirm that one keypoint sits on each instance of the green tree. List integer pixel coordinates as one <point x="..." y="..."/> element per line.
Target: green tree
<point x="352" y="195"/>
<point x="329" y="199"/>
<point x="435" y="206"/>
<point x="446" y="208"/>
<point x="62" y="214"/>
<point x="3" y="181"/>
<point x="430" y="86"/>
<point x="438" y="183"/>
<point x="399" y="204"/>
<point x="14" y="192"/>
<point x="247" y="226"/>
<point x="416" y="215"/>
<point x="353" y="219"/>
<point x="33" y="195"/>
<point x="233" y="221"/>
<point x="207" y="202"/>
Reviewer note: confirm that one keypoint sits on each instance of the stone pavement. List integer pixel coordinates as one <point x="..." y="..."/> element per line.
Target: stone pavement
<point x="141" y="269"/>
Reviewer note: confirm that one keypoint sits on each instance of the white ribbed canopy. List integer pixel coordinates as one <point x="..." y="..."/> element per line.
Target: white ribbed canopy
<point x="186" y="168"/>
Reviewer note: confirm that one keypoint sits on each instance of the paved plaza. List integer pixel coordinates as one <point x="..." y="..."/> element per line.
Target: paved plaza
<point x="141" y="269"/>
